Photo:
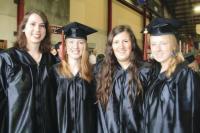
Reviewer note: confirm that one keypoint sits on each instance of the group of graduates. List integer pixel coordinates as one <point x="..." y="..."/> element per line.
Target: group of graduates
<point x="120" y="94"/>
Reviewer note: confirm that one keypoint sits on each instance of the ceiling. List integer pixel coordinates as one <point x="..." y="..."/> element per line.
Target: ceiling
<point x="183" y="10"/>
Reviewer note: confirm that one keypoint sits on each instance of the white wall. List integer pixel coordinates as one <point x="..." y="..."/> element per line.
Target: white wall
<point x="92" y="13"/>
<point x="95" y="17"/>
<point x="81" y="11"/>
<point x="126" y="16"/>
<point x="8" y="22"/>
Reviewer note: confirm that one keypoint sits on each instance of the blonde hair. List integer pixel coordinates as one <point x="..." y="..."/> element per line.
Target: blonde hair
<point x="85" y="67"/>
<point x="176" y="59"/>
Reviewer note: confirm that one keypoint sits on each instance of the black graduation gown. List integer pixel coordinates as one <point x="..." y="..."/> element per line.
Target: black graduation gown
<point x="148" y="73"/>
<point x="75" y="103"/>
<point x="26" y="104"/>
<point x="172" y="105"/>
<point x="121" y="114"/>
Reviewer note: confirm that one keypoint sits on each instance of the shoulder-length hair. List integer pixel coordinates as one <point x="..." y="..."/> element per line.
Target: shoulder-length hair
<point x="105" y="75"/>
<point x="85" y="66"/>
<point x="21" y="37"/>
<point x="176" y="58"/>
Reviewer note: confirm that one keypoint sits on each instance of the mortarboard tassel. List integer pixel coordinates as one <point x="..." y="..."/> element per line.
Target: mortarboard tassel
<point x="145" y="45"/>
<point x="62" y="50"/>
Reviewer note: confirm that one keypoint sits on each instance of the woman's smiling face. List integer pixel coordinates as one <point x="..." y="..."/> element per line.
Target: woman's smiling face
<point x="122" y="47"/>
<point x="75" y="47"/>
<point x="162" y="47"/>
<point x="35" y="30"/>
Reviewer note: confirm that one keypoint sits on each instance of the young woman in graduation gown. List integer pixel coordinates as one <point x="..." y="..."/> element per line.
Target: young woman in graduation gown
<point x="27" y="105"/>
<point x="172" y="100"/>
<point x="73" y="81"/>
<point x="118" y="86"/>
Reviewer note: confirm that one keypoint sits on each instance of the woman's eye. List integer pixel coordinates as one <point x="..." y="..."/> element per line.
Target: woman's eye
<point x="125" y="41"/>
<point x="32" y="24"/>
<point x="42" y="25"/>
<point x="115" y="42"/>
<point x="163" y="43"/>
<point x="81" y="42"/>
<point x="70" y="42"/>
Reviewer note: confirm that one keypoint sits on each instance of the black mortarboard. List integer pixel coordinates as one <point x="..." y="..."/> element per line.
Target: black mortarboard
<point x="76" y="30"/>
<point x="190" y="58"/>
<point x="57" y="45"/>
<point x="162" y="26"/>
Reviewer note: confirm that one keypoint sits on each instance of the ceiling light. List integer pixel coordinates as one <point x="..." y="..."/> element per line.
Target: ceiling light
<point x="198" y="28"/>
<point x="197" y="9"/>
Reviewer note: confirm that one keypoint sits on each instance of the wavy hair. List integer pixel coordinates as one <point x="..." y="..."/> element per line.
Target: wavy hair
<point x="21" y="41"/>
<point x="105" y="75"/>
<point x="85" y="66"/>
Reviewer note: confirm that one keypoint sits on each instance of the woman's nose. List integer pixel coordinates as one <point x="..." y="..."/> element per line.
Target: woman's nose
<point x="121" y="44"/>
<point x="37" y="27"/>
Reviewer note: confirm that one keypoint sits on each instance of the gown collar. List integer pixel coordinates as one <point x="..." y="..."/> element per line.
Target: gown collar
<point x="26" y="58"/>
<point x="163" y="76"/>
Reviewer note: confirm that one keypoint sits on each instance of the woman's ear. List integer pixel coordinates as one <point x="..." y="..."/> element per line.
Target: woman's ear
<point x="151" y="55"/>
<point x="173" y="53"/>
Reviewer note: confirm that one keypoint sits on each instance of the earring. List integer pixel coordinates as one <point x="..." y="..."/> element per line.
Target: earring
<point x="173" y="53"/>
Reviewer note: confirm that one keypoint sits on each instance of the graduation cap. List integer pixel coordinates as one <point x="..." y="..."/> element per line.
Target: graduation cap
<point x="190" y="58"/>
<point x="57" y="45"/>
<point x="76" y="30"/>
<point x="73" y="30"/>
<point x="162" y="26"/>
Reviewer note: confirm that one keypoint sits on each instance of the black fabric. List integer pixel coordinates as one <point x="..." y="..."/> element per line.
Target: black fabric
<point x="162" y="26"/>
<point x="57" y="46"/>
<point x="76" y="106"/>
<point x="76" y="30"/>
<point x="172" y="105"/>
<point x="190" y="58"/>
<point x="121" y="114"/>
<point x="27" y="105"/>
<point x="147" y="73"/>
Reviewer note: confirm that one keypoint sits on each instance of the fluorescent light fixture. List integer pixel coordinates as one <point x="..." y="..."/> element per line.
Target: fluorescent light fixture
<point x="198" y="28"/>
<point x="197" y="9"/>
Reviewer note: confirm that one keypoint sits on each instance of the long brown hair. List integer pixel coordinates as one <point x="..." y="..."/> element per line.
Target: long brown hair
<point x="21" y="37"/>
<point x="85" y="67"/>
<point x="105" y="76"/>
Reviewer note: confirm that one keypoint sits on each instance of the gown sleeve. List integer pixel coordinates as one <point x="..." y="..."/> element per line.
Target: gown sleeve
<point x="148" y="73"/>
<point x="101" y="123"/>
<point x="189" y="101"/>
<point x="92" y="108"/>
<point x="144" y="75"/>
<point x="3" y="99"/>
<point x="53" y="88"/>
<point x="52" y="76"/>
